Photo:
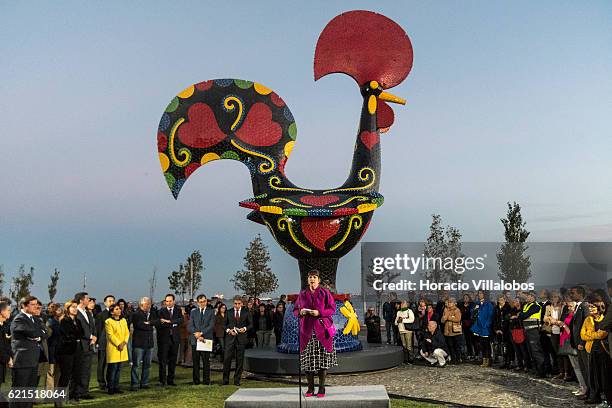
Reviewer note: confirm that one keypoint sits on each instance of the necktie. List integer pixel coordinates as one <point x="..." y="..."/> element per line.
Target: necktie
<point x="237" y="314"/>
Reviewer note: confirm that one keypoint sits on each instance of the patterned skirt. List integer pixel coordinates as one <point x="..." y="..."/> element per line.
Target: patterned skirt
<point x="315" y="357"/>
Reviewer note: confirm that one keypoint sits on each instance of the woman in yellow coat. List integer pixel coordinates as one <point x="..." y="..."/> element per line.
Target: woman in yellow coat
<point x="117" y="335"/>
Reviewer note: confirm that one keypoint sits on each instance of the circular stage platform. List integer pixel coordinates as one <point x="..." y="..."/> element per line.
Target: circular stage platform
<point x="373" y="357"/>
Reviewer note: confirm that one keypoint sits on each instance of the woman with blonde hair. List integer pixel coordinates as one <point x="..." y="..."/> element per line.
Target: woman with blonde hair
<point x="451" y="319"/>
<point x="68" y="347"/>
<point x="117" y="334"/>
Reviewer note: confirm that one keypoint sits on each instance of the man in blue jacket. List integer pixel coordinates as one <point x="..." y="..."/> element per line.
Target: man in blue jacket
<point x="201" y="326"/>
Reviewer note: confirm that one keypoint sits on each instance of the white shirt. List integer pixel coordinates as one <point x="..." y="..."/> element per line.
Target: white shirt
<point x="84" y="313"/>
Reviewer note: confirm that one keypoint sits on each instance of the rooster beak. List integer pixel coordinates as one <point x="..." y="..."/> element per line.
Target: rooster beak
<point x="386" y="96"/>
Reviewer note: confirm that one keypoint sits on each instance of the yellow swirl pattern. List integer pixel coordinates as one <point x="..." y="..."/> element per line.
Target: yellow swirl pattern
<point x="369" y="175"/>
<point x="280" y="199"/>
<point x="230" y="104"/>
<point x="265" y="167"/>
<point x="182" y="152"/>
<point x="276" y="181"/>
<point x="284" y="223"/>
<point x="356" y="222"/>
<point x="360" y="198"/>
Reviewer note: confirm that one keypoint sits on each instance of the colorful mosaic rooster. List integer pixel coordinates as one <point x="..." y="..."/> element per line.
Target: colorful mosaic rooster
<point x="246" y="121"/>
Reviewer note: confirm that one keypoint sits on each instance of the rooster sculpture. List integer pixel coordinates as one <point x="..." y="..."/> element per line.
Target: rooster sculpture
<point x="246" y="121"/>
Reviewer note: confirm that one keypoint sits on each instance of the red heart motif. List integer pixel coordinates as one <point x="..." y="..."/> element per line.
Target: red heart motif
<point x="319" y="201"/>
<point x="319" y="230"/>
<point x="201" y="130"/>
<point x="369" y="139"/>
<point x="259" y="129"/>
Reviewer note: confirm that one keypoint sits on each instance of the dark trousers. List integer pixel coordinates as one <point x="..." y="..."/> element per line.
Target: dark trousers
<point x="69" y="366"/>
<point x="485" y="346"/>
<point x="196" y="357"/>
<point x="549" y="353"/>
<point x="601" y="370"/>
<point x="233" y="348"/>
<point x="166" y="355"/>
<point x="522" y="354"/>
<point x="454" y="347"/>
<point x="536" y="351"/>
<point x="113" y="372"/>
<point x="388" y="325"/>
<point x="84" y="373"/>
<point x="101" y="370"/>
<point x="24" y="377"/>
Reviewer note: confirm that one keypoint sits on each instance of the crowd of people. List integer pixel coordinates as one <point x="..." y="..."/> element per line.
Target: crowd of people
<point x="55" y="347"/>
<point x="561" y="334"/>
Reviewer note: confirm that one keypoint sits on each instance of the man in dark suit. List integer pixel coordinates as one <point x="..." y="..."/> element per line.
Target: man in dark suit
<point x="87" y="347"/>
<point x="27" y="335"/>
<point x="606" y="323"/>
<point x="237" y="322"/>
<point x="100" y="319"/>
<point x="143" y="321"/>
<point x="168" y="339"/>
<point x="200" y="327"/>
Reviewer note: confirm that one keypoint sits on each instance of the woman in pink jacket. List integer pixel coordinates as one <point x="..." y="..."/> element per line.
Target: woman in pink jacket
<point x="315" y="306"/>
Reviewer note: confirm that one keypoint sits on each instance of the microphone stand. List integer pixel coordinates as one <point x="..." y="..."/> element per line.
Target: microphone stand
<point x="299" y="358"/>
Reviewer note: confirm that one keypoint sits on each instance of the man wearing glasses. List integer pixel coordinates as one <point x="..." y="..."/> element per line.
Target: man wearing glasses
<point x="237" y="322"/>
<point x="201" y="326"/>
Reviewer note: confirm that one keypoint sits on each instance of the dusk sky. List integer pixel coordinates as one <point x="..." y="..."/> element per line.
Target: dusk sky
<point x="506" y="102"/>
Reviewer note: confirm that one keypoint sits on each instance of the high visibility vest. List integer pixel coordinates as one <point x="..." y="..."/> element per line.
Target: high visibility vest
<point x="536" y="316"/>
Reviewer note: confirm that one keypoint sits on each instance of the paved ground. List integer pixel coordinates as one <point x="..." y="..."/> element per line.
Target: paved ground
<point x="469" y="385"/>
<point x="465" y="384"/>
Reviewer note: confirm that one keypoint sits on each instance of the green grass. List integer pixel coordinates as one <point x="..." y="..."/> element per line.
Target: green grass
<point x="185" y="395"/>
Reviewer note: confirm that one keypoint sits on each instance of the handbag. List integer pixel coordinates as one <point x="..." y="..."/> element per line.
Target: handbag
<point x="329" y="330"/>
<point x="518" y="335"/>
<point x="456" y="327"/>
<point x="567" y="350"/>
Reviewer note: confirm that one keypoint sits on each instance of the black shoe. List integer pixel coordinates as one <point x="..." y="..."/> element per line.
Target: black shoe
<point x="172" y="384"/>
<point x="225" y="382"/>
<point x="110" y="392"/>
<point x="196" y="383"/>
<point x="87" y="397"/>
<point x="161" y="384"/>
<point x="145" y="387"/>
<point x="133" y="388"/>
<point x="206" y="382"/>
<point x="102" y="386"/>
<point x="118" y="391"/>
<point x="237" y="383"/>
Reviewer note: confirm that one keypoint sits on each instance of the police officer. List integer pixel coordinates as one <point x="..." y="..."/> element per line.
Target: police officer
<point x="531" y="316"/>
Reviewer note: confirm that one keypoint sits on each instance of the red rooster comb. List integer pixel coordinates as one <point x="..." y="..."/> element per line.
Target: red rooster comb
<point x="366" y="46"/>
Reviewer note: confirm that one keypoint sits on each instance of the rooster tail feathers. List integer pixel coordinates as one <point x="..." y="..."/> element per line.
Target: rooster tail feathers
<point x="225" y="119"/>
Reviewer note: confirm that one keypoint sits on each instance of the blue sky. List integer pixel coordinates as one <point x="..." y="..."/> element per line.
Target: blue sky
<point x="506" y="102"/>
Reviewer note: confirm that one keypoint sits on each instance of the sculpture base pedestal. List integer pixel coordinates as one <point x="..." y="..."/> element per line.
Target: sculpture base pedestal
<point x="367" y="396"/>
<point x="373" y="357"/>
